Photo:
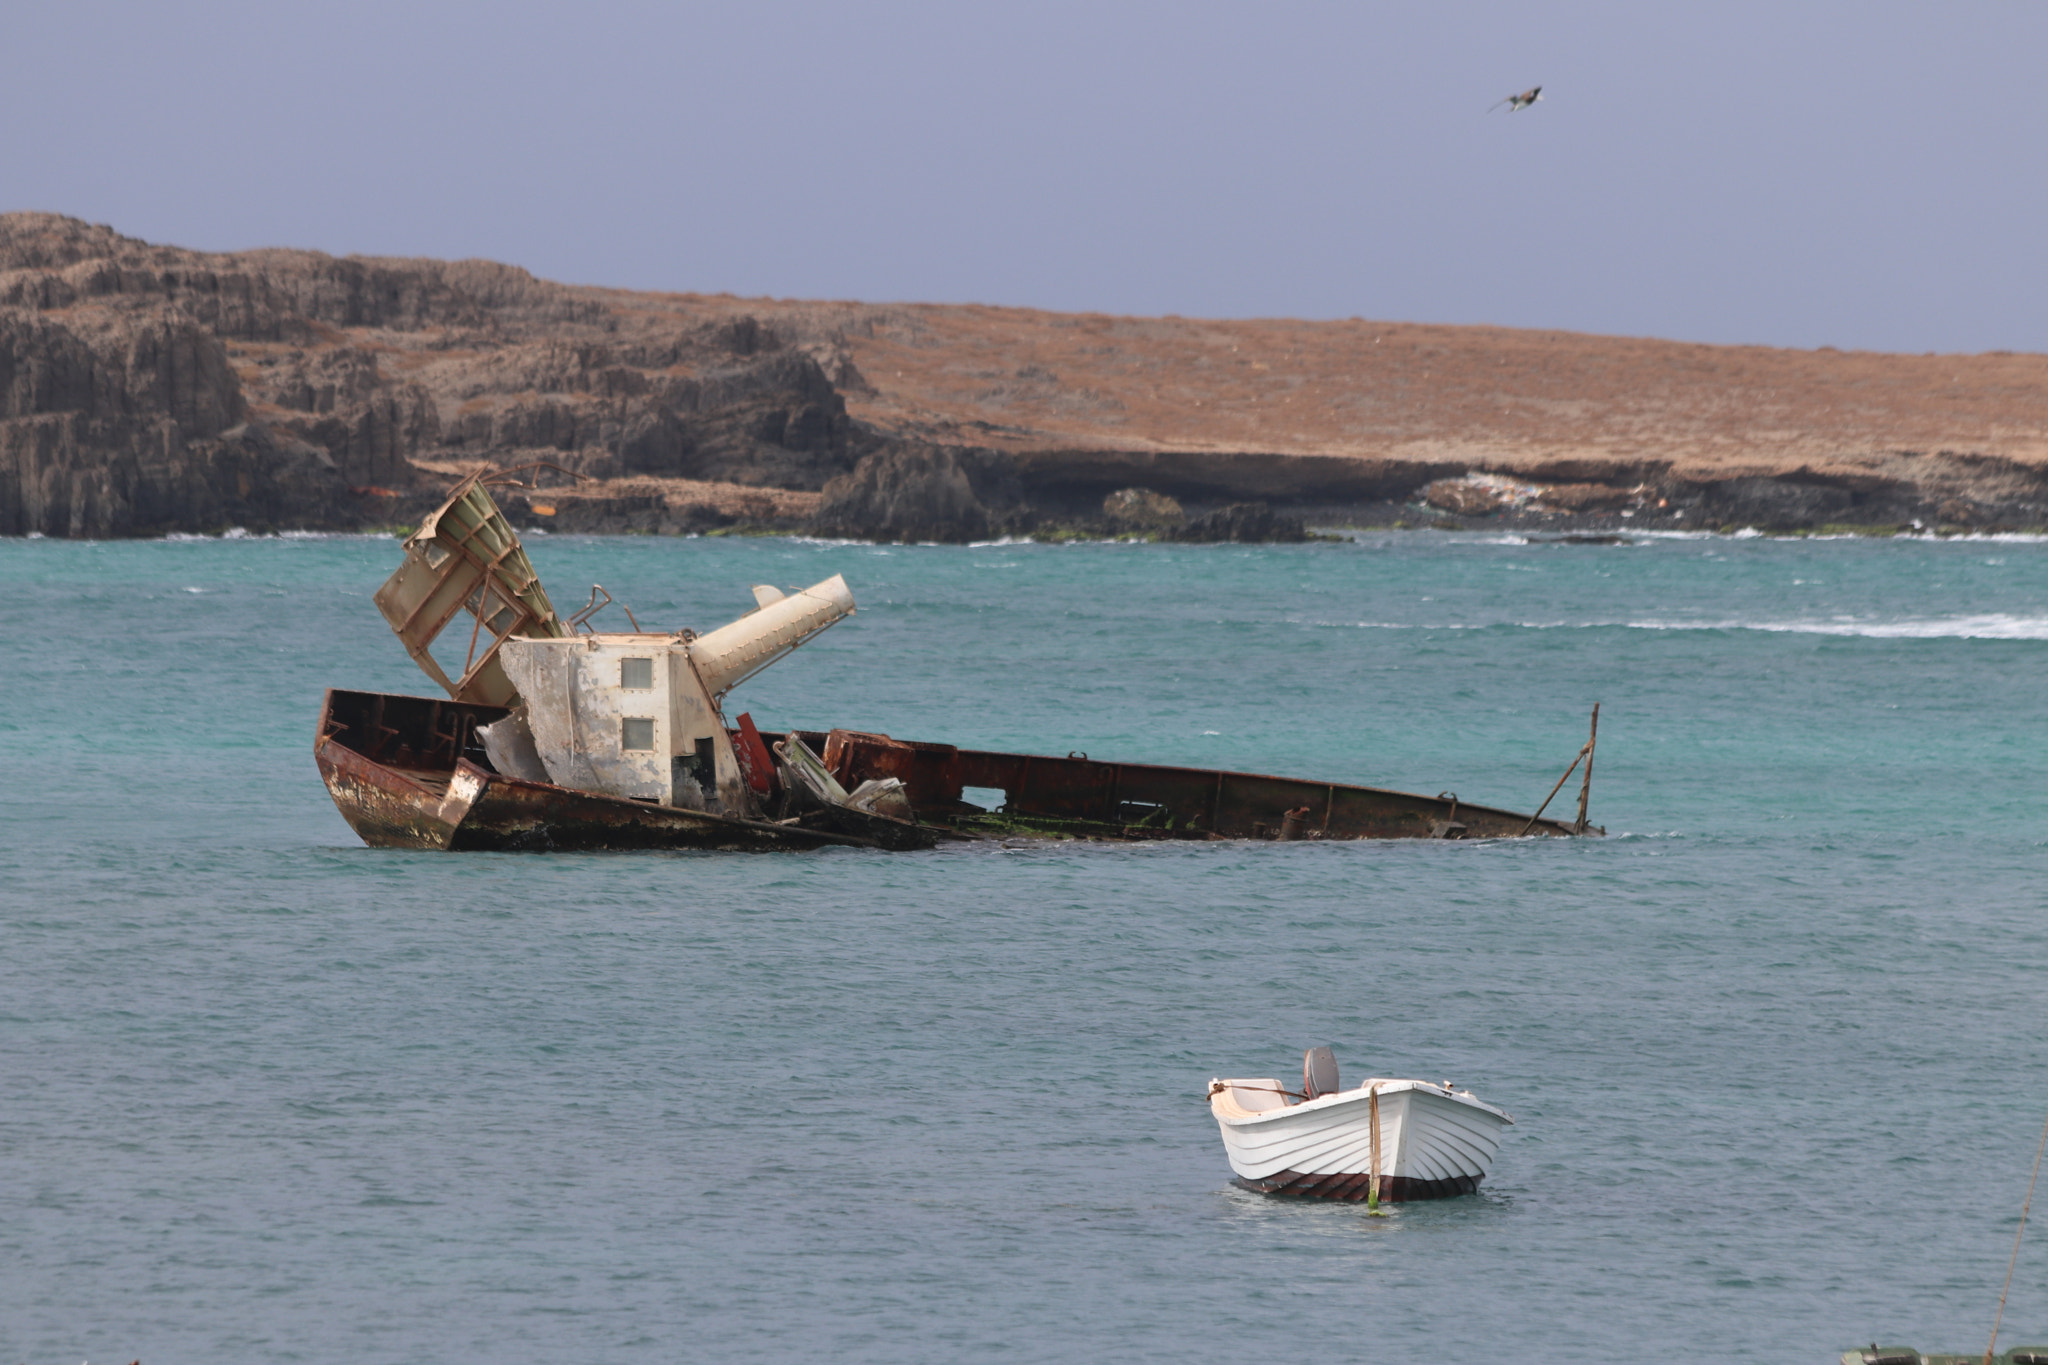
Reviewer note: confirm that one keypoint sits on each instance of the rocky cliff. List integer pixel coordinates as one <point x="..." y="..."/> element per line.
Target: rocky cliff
<point x="146" y="389"/>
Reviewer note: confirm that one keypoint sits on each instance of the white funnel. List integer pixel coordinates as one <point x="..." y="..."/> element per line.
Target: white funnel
<point x="731" y="654"/>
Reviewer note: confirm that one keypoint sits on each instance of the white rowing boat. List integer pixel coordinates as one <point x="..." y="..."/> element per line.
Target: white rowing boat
<point x="1386" y="1139"/>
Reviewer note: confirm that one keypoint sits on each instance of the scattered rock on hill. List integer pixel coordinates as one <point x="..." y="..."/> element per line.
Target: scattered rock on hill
<point x="1585" y="497"/>
<point x="1463" y="496"/>
<point x="1482" y="494"/>
<point x="1141" y="509"/>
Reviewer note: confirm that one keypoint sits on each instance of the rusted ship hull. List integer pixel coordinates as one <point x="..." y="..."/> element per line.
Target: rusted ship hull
<point x="1087" y="798"/>
<point x="410" y="772"/>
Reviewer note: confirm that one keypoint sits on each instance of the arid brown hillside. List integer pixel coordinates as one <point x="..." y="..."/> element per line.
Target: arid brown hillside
<point x="1335" y="416"/>
<point x="146" y="389"/>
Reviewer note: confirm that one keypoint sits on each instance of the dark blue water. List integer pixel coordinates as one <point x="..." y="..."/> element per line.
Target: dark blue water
<point x="1775" y="1046"/>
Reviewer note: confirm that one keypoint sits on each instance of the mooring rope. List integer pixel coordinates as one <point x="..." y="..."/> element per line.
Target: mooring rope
<point x="1372" y="1187"/>
<point x="2024" y="1206"/>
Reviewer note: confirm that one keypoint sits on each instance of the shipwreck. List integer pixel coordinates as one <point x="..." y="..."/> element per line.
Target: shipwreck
<point x="554" y="735"/>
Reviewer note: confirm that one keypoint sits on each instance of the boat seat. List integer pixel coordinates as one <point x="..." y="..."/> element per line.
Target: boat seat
<point x="1318" y="1073"/>
<point x="1258" y="1096"/>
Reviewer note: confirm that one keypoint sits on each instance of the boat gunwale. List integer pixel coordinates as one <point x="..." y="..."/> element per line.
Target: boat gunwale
<point x="1341" y="1098"/>
<point x="1565" y="827"/>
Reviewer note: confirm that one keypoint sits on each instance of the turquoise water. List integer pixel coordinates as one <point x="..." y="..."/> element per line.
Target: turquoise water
<point x="1774" y="1047"/>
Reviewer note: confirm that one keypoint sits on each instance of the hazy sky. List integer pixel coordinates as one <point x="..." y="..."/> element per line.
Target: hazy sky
<point x="1861" y="174"/>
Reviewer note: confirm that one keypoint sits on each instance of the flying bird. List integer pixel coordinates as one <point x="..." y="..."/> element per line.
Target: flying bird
<point x="1521" y="101"/>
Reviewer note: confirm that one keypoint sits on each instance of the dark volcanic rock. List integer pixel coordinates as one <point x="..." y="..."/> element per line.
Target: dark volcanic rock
<point x="905" y="493"/>
<point x="630" y="514"/>
<point x="1242" y="521"/>
<point x="1776" y="504"/>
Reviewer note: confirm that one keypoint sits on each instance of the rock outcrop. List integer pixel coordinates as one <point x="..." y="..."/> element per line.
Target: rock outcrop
<point x="1143" y="510"/>
<point x="1242" y="522"/>
<point x="913" y="493"/>
<point x="145" y="389"/>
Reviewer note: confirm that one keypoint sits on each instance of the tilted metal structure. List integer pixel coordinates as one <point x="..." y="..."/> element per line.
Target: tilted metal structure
<point x="466" y="557"/>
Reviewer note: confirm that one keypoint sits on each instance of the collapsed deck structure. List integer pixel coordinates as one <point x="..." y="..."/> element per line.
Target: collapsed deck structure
<point x="555" y="736"/>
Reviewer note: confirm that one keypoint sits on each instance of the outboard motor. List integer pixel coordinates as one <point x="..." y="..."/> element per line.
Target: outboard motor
<point x="1318" y="1073"/>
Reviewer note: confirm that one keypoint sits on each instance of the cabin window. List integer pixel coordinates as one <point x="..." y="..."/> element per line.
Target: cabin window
<point x="495" y="612"/>
<point x="637" y="675"/>
<point x="636" y="732"/>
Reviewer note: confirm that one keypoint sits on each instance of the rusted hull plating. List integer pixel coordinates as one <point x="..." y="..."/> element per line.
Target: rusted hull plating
<point x="409" y="772"/>
<point x="429" y="786"/>
<point x="1086" y="798"/>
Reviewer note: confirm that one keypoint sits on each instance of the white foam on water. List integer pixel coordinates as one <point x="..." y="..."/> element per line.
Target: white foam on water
<point x="1985" y="626"/>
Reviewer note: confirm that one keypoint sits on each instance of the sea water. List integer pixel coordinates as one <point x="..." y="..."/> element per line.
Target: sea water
<point x="1773" y="1047"/>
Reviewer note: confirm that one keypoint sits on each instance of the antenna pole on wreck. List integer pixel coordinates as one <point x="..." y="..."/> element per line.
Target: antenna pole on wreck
<point x="1586" y="781"/>
<point x="1585" y="754"/>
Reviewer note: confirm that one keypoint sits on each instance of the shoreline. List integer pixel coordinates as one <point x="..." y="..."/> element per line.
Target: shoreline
<point x="1318" y="533"/>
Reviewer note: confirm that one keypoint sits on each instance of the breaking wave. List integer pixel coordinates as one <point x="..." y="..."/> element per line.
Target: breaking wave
<point x="244" y="533"/>
<point x="1987" y="626"/>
